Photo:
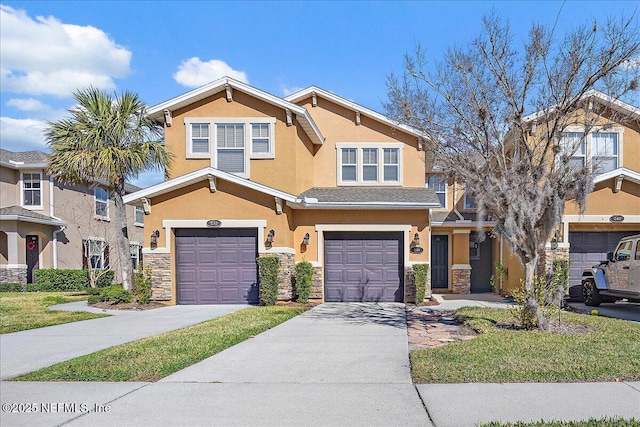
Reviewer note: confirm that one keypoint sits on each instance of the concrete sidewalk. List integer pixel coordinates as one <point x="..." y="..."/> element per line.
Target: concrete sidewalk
<point x="335" y="365"/>
<point x="27" y="351"/>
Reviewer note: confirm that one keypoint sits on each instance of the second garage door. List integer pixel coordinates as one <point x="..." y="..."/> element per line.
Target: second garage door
<point x="588" y="248"/>
<point x="216" y="266"/>
<point x="363" y="266"/>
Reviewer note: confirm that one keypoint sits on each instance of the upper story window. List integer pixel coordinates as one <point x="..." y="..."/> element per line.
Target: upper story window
<point x="439" y="185"/>
<point x="31" y="190"/>
<point x="138" y="214"/>
<point x="230" y="142"/>
<point x="469" y="201"/>
<point x="101" y="202"/>
<point x="602" y="149"/>
<point x="135" y="251"/>
<point x="369" y="164"/>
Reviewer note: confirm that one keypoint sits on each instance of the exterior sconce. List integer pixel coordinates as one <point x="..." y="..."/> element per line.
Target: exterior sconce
<point x="415" y="245"/>
<point x="167" y="117"/>
<point x="154" y="238"/>
<point x="270" y="236"/>
<point x="305" y="240"/>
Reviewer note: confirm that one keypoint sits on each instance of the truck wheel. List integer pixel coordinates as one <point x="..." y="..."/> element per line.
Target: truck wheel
<point x="590" y="293"/>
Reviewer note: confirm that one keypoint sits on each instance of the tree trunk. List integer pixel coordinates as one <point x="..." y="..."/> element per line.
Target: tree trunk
<point x="531" y="305"/>
<point x="122" y="237"/>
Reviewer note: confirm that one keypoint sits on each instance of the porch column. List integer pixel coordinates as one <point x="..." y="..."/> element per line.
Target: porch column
<point x="460" y="268"/>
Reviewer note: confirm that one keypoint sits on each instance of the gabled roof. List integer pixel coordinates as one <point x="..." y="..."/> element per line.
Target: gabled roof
<point x="17" y="213"/>
<point x="309" y="126"/>
<point x="305" y="93"/>
<point x="23" y="159"/>
<point x="314" y="198"/>
<point x="615" y="104"/>
<point x="625" y="173"/>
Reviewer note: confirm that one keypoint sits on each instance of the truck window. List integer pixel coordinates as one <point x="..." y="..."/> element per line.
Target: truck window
<point x="623" y="253"/>
<point x="637" y="257"/>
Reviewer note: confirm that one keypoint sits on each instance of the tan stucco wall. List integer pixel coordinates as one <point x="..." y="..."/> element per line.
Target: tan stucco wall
<point x="603" y="200"/>
<point x="9" y="193"/>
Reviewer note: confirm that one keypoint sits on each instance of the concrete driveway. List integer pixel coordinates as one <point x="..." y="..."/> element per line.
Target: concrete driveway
<point x="337" y="364"/>
<point x="27" y="351"/>
<point x="619" y="310"/>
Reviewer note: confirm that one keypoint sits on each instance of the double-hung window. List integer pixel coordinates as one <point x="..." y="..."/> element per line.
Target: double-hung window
<point x="369" y="164"/>
<point x="199" y="138"/>
<point x="101" y="202"/>
<point x="574" y="146"/>
<point x="600" y="150"/>
<point x="469" y="201"/>
<point x="31" y="190"/>
<point x="604" y="151"/>
<point x="230" y="147"/>
<point x="134" y="252"/>
<point x="96" y="254"/>
<point x="439" y="185"/>
<point x="138" y="216"/>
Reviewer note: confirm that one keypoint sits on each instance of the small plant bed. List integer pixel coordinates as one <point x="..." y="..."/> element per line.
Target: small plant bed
<point x="582" y="348"/>
<point x="591" y="422"/>
<point x="153" y="358"/>
<point x="20" y="311"/>
<point x="129" y="305"/>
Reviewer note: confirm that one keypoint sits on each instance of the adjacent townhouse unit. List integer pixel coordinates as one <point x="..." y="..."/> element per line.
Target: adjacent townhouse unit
<point x="310" y="177"/>
<point x="612" y="210"/>
<point x="47" y="224"/>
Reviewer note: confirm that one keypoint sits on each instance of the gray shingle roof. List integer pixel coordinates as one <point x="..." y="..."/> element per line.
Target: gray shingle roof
<point x="9" y="212"/>
<point x="27" y="157"/>
<point x="372" y="195"/>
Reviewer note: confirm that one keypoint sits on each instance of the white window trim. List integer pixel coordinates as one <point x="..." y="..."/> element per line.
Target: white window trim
<point x="137" y="253"/>
<point x="466" y="207"/>
<point x="135" y="216"/>
<point x="359" y="146"/>
<point x="213" y="138"/>
<point x="446" y="189"/>
<point x="32" y="207"/>
<point x="588" y="141"/>
<point x="95" y="200"/>
<point x="89" y="255"/>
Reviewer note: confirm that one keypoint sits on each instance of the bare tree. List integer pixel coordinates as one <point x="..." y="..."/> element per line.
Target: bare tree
<point x="495" y="115"/>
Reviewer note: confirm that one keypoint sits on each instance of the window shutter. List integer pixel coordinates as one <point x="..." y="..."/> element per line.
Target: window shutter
<point x="140" y="255"/>
<point x="106" y="256"/>
<point x="85" y="263"/>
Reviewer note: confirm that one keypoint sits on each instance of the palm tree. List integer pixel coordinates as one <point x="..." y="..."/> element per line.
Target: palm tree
<point x="107" y="139"/>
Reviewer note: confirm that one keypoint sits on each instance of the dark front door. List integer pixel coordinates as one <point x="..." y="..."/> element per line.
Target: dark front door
<point x="439" y="262"/>
<point x="216" y="266"/>
<point x="33" y="252"/>
<point x="481" y="261"/>
<point x="363" y="266"/>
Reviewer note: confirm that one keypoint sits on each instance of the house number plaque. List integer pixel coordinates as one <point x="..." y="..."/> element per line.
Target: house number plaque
<point x="213" y="223"/>
<point x="616" y="218"/>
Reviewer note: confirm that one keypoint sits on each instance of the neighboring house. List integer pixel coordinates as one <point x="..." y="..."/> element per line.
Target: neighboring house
<point x="310" y="177"/>
<point x="612" y="212"/>
<point x="46" y="224"/>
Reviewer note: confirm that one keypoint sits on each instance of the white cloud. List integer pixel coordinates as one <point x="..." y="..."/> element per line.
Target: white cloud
<point x="286" y="91"/>
<point x="632" y="64"/>
<point x="45" y="56"/>
<point x="27" y="104"/>
<point x="22" y="134"/>
<point x="193" y="72"/>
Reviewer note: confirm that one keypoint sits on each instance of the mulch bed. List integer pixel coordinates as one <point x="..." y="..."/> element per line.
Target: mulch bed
<point x="129" y="306"/>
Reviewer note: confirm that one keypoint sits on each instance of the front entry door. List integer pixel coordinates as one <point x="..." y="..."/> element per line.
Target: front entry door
<point x="33" y="255"/>
<point x="439" y="262"/>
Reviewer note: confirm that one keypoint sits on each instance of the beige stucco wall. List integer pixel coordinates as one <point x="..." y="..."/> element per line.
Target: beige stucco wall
<point x="604" y="201"/>
<point x="9" y="193"/>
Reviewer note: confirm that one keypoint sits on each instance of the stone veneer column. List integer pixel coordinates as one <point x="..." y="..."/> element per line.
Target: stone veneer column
<point x="317" y="285"/>
<point x="285" y="274"/>
<point x="461" y="279"/>
<point x="160" y="265"/>
<point x="13" y="274"/>
<point x="549" y="255"/>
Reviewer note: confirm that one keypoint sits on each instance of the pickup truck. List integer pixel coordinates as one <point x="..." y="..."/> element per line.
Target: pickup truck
<point x="616" y="278"/>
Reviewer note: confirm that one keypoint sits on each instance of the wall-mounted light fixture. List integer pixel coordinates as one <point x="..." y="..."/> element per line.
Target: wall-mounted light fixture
<point x="415" y="245"/>
<point x="305" y="240"/>
<point x="270" y="236"/>
<point x="167" y="117"/>
<point x="154" y="237"/>
<point x="416" y="239"/>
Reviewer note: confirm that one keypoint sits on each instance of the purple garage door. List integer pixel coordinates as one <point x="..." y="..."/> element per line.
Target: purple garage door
<point x="588" y="248"/>
<point x="363" y="266"/>
<point x="216" y="266"/>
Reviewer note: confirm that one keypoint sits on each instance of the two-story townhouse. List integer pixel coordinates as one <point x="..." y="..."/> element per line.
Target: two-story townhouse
<point x="612" y="210"/>
<point x="310" y="177"/>
<point x="47" y="224"/>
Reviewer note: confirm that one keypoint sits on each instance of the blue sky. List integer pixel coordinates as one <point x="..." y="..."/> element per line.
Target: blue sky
<point x="163" y="49"/>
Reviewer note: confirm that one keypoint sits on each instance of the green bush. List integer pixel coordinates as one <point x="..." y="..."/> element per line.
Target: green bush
<point x="420" y="272"/>
<point x="304" y="275"/>
<point x="51" y="279"/>
<point x="113" y="294"/>
<point x="268" y="268"/>
<point x="561" y="275"/>
<point x="105" y="279"/>
<point x="11" y="287"/>
<point x="142" y="285"/>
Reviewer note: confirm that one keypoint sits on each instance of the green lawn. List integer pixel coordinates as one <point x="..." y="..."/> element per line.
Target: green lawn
<point x="153" y="358"/>
<point x="20" y="311"/>
<point x="592" y="422"/>
<point x="608" y="351"/>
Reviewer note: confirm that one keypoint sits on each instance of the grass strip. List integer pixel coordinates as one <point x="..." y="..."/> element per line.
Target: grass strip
<point x="20" y="311"/>
<point x="153" y="358"/>
<point x="591" y="422"/>
<point x="607" y="351"/>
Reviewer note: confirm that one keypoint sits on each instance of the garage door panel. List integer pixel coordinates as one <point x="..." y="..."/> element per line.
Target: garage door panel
<point x="363" y="266"/>
<point x="216" y="266"/>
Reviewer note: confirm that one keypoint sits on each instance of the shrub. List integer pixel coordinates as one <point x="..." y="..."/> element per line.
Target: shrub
<point x="50" y="279"/>
<point x="11" y="287"/>
<point x="268" y="268"/>
<point x="304" y="275"/>
<point x="420" y="272"/>
<point x="560" y="277"/>
<point x="105" y="279"/>
<point x="142" y="285"/>
<point x="113" y="294"/>
<point x="544" y="293"/>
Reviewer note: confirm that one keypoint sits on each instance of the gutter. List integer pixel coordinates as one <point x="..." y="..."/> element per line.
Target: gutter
<point x="62" y="227"/>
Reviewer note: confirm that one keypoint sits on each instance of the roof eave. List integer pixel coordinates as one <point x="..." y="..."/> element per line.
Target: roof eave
<point x="22" y="218"/>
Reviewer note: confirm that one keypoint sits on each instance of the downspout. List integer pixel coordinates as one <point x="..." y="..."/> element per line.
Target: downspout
<point x="62" y="228"/>
<point x="455" y="202"/>
<point x="502" y="264"/>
